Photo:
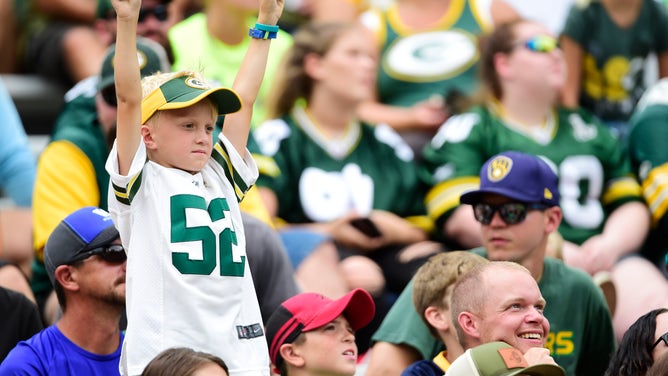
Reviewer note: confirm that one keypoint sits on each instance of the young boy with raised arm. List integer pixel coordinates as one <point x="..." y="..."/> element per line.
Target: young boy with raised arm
<point x="174" y="198"/>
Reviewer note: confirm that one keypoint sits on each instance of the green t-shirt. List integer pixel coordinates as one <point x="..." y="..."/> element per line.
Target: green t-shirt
<point x="613" y="65"/>
<point x="195" y="49"/>
<point x="417" y="64"/>
<point x="317" y="179"/>
<point x="581" y="337"/>
<point x="594" y="172"/>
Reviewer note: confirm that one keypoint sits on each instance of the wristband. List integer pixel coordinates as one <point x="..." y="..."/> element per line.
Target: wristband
<point x="262" y="31"/>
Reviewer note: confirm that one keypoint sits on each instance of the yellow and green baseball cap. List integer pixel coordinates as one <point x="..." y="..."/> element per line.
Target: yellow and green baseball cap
<point x="499" y="359"/>
<point x="185" y="90"/>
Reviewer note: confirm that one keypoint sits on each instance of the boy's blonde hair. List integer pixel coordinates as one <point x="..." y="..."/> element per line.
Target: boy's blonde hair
<point x="154" y="81"/>
<point x="434" y="281"/>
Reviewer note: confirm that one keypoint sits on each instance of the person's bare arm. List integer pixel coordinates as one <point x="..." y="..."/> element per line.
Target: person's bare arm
<point x="84" y="11"/>
<point x="389" y="359"/>
<point x="249" y="78"/>
<point x="573" y="54"/>
<point x="427" y="115"/>
<point x="128" y="83"/>
<point x="624" y="232"/>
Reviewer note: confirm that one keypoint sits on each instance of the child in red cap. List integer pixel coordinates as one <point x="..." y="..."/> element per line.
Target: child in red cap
<point x="310" y="334"/>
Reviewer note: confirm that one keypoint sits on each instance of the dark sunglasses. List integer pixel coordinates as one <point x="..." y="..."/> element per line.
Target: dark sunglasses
<point x="109" y="95"/>
<point x="114" y="253"/>
<point x="663" y="338"/>
<point x="540" y="43"/>
<point x="511" y="213"/>
<point x="159" y="11"/>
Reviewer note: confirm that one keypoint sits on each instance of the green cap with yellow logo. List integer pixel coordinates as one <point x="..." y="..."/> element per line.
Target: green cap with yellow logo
<point x="185" y="90"/>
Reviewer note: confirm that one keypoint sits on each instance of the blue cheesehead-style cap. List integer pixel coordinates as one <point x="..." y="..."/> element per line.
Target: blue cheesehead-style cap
<point x="519" y="176"/>
<point x="85" y="229"/>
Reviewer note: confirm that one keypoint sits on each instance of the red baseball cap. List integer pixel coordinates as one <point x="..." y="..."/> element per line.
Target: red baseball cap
<point x="309" y="311"/>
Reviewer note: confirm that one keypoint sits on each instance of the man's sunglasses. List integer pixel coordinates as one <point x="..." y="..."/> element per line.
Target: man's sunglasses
<point x="114" y="253"/>
<point x="663" y="338"/>
<point x="511" y="213"/>
<point x="159" y="11"/>
<point x="540" y="43"/>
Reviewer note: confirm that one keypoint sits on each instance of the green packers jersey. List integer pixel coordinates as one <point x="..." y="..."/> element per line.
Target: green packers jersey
<point x="417" y="64"/>
<point x="317" y="179"/>
<point x="649" y="158"/>
<point x="581" y="337"/>
<point x="613" y="66"/>
<point x="594" y="172"/>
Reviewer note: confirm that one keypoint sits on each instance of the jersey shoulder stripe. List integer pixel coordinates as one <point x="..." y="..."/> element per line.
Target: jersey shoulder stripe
<point x="124" y="195"/>
<point x="221" y="156"/>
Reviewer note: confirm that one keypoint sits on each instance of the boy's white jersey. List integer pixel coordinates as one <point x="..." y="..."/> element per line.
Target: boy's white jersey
<point x="188" y="282"/>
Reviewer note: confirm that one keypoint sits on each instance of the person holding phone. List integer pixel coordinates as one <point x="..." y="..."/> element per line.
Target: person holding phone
<point x="334" y="180"/>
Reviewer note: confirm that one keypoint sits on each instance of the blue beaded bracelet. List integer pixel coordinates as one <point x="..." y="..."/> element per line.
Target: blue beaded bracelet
<point x="262" y="31"/>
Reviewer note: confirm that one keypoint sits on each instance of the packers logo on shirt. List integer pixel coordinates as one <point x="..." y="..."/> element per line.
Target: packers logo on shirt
<point x="426" y="57"/>
<point x="498" y="168"/>
<point x="197" y="84"/>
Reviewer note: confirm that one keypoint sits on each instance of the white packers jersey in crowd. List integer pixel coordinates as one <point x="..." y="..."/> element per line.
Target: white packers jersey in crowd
<point x="188" y="281"/>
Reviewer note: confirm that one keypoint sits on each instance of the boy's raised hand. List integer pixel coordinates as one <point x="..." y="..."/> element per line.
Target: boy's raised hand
<point x="270" y="11"/>
<point x="126" y="9"/>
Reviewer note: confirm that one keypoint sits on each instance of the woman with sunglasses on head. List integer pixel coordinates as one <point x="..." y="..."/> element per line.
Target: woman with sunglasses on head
<point x="643" y="344"/>
<point x="523" y="71"/>
<point x="604" y="216"/>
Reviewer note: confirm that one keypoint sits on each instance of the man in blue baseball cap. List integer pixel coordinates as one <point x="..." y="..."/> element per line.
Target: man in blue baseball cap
<point x="517" y="206"/>
<point x="86" y="263"/>
<point x="519" y="176"/>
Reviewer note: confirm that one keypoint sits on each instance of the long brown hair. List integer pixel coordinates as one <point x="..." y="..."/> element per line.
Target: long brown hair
<point x="500" y="40"/>
<point x="292" y="82"/>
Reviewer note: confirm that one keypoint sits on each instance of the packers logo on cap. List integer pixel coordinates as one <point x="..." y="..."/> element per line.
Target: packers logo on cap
<point x="197" y="84"/>
<point x="498" y="168"/>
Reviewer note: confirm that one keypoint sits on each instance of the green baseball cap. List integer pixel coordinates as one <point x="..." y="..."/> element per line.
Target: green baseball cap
<point x="498" y="359"/>
<point x="151" y="55"/>
<point x="184" y="90"/>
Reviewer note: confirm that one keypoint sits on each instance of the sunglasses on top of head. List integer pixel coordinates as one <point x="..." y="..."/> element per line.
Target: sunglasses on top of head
<point x="113" y="253"/>
<point x="664" y="338"/>
<point x="511" y="213"/>
<point x="539" y="43"/>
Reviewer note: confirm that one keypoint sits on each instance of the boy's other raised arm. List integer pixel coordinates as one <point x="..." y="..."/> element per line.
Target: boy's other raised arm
<point x="128" y="83"/>
<point x="249" y="78"/>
